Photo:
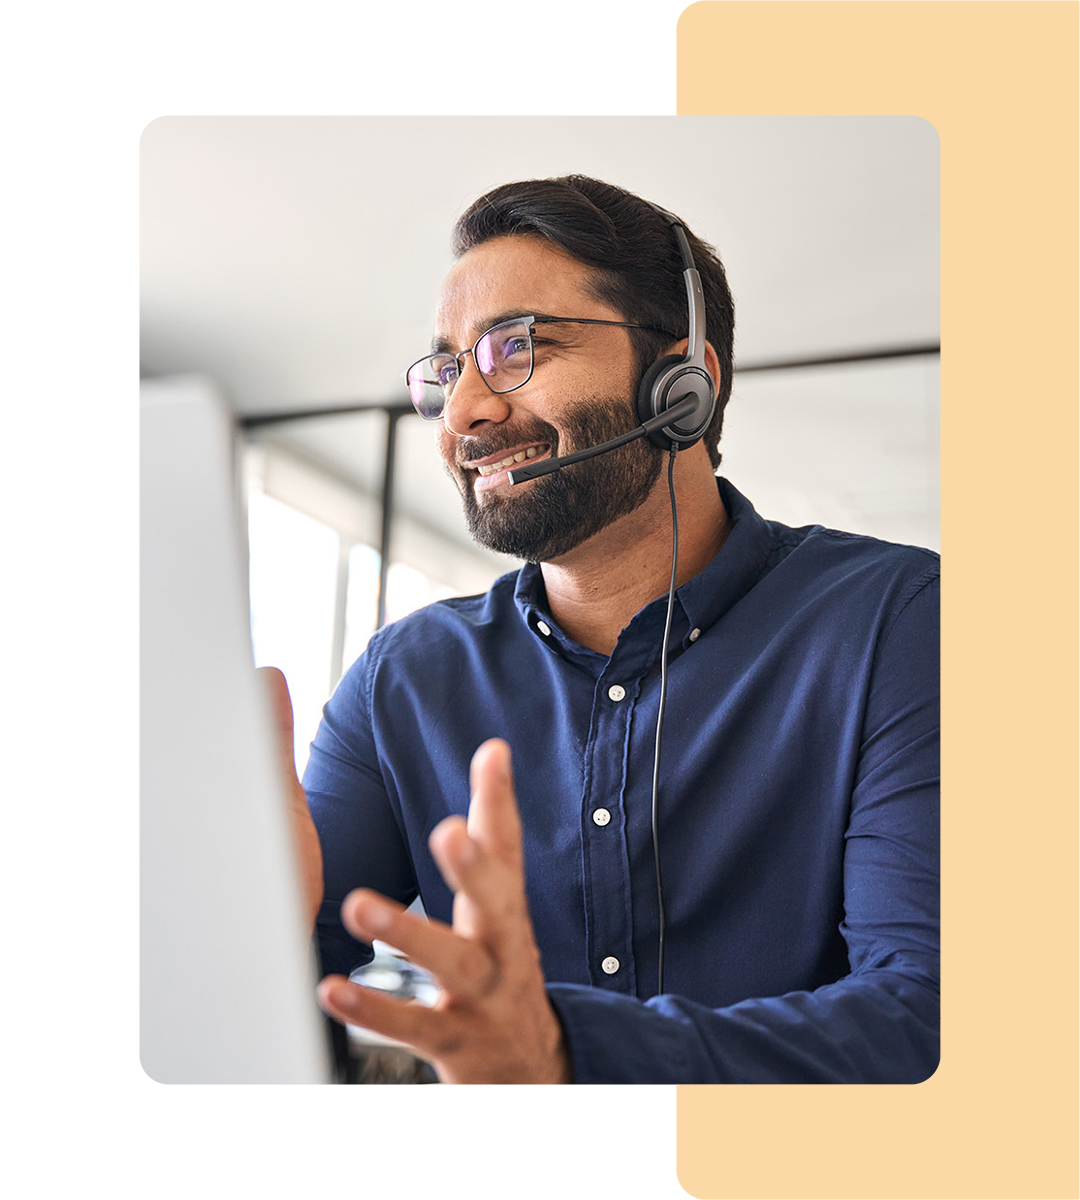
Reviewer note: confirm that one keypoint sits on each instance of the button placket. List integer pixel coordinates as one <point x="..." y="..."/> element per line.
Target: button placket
<point x="608" y="881"/>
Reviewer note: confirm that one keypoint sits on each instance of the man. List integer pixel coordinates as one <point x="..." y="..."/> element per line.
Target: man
<point x="796" y="828"/>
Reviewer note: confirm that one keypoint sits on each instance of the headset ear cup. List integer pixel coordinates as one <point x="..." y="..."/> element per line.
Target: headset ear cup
<point x="664" y="384"/>
<point x="648" y="403"/>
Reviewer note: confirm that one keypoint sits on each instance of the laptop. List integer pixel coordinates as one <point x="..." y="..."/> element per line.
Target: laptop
<point x="227" y="975"/>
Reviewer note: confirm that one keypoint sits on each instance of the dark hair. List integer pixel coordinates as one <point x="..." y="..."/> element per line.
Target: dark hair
<point x="637" y="268"/>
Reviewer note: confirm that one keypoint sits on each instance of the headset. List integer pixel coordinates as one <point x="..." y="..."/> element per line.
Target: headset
<point x="675" y="378"/>
<point x="675" y="403"/>
<point x="676" y="398"/>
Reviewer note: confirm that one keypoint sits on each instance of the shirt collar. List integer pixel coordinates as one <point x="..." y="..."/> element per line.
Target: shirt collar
<point x="703" y="600"/>
<point x="735" y="570"/>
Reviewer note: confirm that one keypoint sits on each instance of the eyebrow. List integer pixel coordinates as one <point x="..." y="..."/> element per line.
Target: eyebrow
<point x="443" y="345"/>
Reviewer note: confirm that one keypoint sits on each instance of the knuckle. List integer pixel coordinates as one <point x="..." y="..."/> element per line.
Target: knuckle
<point x="476" y="967"/>
<point x="446" y="1043"/>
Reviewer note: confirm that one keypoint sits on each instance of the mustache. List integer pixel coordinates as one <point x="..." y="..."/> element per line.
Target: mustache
<point x="481" y="445"/>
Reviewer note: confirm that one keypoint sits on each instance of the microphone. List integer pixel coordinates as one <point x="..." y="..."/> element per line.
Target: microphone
<point x="681" y="408"/>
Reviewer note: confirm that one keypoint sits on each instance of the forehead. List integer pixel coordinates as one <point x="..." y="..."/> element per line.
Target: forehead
<point x="512" y="276"/>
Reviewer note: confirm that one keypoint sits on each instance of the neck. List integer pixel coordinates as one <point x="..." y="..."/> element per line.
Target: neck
<point x="595" y="590"/>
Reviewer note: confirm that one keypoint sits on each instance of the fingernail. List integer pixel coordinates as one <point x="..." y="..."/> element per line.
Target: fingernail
<point x="374" y="914"/>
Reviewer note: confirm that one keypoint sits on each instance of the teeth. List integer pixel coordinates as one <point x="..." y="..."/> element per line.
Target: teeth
<point x="521" y="456"/>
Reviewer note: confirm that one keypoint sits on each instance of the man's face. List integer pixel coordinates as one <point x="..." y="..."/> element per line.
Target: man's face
<point x="580" y="394"/>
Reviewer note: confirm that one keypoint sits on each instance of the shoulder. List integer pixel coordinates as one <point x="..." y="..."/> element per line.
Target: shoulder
<point x="444" y="630"/>
<point x="852" y="578"/>
<point x="814" y="560"/>
<point x="834" y="554"/>
<point x="429" y="670"/>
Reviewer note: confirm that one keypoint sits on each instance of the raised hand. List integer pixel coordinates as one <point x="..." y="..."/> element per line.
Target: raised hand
<point x="492" y="1022"/>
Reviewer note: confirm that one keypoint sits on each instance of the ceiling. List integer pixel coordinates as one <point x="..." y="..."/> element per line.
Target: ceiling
<point x="296" y="261"/>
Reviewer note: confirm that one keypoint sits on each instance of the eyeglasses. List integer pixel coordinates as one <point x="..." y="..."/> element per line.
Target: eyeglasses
<point x="504" y="356"/>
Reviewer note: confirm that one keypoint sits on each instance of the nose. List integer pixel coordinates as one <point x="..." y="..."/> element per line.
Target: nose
<point x="472" y="403"/>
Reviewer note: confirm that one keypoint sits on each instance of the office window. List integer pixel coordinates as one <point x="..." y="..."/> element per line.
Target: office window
<point x="407" y="589"/>
<point x="293" y="585"/>
<point x="314" y="603"/>
<point x="361" y="602"/>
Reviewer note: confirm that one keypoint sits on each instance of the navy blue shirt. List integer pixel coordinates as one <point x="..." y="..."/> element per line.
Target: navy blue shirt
<point x="798" y="805"/>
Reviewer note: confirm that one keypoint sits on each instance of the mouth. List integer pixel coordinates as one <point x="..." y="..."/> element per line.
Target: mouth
<point x="491" y="471"/>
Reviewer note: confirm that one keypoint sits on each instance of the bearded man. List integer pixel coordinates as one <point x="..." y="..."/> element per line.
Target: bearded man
<point x="792" y="813"/>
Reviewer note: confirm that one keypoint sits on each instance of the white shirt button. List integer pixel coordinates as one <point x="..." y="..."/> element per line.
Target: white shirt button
<point x="601" y="816"/>
<point x="616" y="692"/>
<point x="695" y="634"/>
<point x="544" y="628"/>
<point x="610" y="965"/>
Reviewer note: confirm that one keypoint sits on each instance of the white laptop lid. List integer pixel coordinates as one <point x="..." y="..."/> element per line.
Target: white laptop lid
<point x="221" y="916"/>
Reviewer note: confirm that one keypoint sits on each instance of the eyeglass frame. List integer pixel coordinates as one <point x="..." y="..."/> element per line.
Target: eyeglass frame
<point x="528" y="321"/>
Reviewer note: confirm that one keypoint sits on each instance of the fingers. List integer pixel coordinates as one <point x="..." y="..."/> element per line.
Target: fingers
<point x="493" y="1022"/>
<point x="493" y="814"/>
<point x="481" y="862"/>
<point x="305" y="837"/>
<point x="454" y="851"/>
<point x="461" y="967"/>
<point x="279" y="691"/>
<point x="490" y="899"/>
<point x="371" y="1009"/>
<point x="276" y="684"/>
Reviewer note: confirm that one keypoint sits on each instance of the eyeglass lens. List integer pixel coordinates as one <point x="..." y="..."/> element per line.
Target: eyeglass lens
<point x="504" y="356"/>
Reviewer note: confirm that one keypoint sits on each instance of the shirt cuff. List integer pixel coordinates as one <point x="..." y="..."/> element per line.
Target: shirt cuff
<point x="616" y="1039"/>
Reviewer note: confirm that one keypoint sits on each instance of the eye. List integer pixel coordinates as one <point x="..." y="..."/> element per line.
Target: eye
<point x="513" y="345"/>
<point x="446" y="371"/>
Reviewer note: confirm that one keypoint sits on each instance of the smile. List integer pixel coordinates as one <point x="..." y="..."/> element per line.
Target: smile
<point x="520" y="456"/>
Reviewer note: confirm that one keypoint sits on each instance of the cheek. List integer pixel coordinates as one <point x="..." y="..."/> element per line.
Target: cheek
<point x="444" y="444"/>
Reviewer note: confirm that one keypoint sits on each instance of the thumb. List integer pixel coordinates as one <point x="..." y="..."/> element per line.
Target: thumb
<point x="305" y="837"/>
<point x="274" y="681"/>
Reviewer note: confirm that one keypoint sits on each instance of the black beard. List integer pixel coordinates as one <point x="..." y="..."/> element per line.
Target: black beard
<point x="561" y="510"/>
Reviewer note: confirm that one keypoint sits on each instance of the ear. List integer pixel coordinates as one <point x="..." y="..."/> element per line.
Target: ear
<point x="712" y="361"/>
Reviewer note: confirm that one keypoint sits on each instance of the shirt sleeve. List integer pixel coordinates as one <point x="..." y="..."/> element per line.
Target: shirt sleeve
<point x="878" y="1024"/>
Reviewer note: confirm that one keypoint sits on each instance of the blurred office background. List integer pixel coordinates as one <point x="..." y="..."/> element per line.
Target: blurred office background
<point x="292" y="264"/>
